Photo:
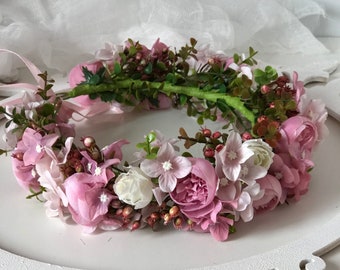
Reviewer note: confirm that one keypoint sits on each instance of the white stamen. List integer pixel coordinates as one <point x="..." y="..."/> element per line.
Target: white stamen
<point x="103" y="197"/>
<point x="97" y="171"/>
<point x="167" y="165"/>
<point x="39" y="148"/>
<point x="232" y="155"/>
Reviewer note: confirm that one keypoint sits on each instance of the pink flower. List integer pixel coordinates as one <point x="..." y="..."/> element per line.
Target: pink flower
<point x="299" y="88"/>
<point x="33" y="145"/>
<point x="167" y="166"/>
<point x="272" y="194"/>
<point x="316" y="111"/>
<point x="51" y="178"/>
<point x="195" y="193"/>
<point x="26" y="175"/>
<point x="299" y="135"/>
<point x="114" y="150"/>
<point x="298" y="182"/>
<point x="157" y="49"/>
<point x="230" y="158"/>
<point x="100" y="172"/>
<point x="110" y="53"/>
<point x="88" y="199"/>
<point x="287" y="175"/>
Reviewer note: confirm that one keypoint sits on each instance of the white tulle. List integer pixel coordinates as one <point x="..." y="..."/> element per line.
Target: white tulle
<point x="59" y="34"/>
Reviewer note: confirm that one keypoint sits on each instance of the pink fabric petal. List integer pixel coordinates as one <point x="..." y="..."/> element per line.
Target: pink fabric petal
<point x="151" y="168"/>
<point x="167" y="182"/>
<point x="182" y="166"/>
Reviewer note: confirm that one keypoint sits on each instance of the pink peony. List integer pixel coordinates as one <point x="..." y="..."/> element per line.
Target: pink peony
<point x="272" y="194"/>
<point x="195" y="193"/>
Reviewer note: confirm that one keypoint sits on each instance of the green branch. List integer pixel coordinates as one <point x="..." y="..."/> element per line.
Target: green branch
<point x="166" y="88"/>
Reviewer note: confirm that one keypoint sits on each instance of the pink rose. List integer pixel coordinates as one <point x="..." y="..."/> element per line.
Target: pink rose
<point x="195" y="193"/>
<point x="299" y="135"/>
<point x="87" y="198"/>
<point x="272" y="194"/>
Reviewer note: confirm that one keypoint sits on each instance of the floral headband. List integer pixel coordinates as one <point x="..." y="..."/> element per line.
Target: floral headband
<point x="258" y="161"/>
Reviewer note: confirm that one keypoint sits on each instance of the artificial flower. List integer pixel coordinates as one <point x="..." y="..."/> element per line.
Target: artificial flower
<point x="231" y="156"/>
<point x="88" y="200"/>
<point x="34" y="145"/>
<point x="299" y="136"/>
<point x="168" y="167"/>
<point x="195" y="193"/>
<point x="263" y="153"/>
<point x="134" y="188"/>
<point x="272" y="194"/>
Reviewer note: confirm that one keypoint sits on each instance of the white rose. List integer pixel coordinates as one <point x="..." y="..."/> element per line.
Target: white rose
<point x="263" y="153"/>
<point x="134" y="188"/>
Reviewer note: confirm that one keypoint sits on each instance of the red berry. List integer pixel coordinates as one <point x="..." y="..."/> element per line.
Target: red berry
<point x="206" y="132"/>
<point x="216" y="135"/>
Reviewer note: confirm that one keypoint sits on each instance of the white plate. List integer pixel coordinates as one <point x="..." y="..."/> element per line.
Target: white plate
<point x="280" y="239"/>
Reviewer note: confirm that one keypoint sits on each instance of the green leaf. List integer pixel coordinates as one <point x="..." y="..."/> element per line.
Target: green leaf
<point x="151" y="137"/>
<point x="236" y="58"/>
<point x="117" y="68"/>
<point x="200" y="120"/>
<point x="107" y="96"/>
<point x="46" y="109"/>
<point x="2" y="152"/>
<point x="148" y="69"/>
<point x="183" y="99"/>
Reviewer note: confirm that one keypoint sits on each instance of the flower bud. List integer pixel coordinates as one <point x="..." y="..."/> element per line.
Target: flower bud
<point x="89" y="141"/>
<point x="219" y="147"/>
<point x="18" y="156"/>
<point x="174" y="211"/>
<point x="265" y="89"/>
<point x="167" y="218"/>
<point x="216" y="135"/>
<point x="178" y="222"/>
<point x="209" y="152"/>
<point x="246" y="136"/>
<point x="262" y="118"/>
<point x="135" y="225"/>
<point x="206" y="132"/>
<point x="127" y="210"/>
<point x="154" y="216"/>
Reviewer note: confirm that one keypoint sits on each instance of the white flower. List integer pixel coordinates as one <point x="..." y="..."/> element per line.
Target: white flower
<point x="134" y="188"/>
<point x="263" y="153"/>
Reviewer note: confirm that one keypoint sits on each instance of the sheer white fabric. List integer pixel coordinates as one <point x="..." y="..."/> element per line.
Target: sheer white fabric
<point x="59" y="34"/>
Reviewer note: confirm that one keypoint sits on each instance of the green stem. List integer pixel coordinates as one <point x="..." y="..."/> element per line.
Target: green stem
<point x="165" y="88"/>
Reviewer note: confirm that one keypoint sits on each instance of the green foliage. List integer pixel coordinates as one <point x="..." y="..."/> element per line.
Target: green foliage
<point x="265" y="76"/>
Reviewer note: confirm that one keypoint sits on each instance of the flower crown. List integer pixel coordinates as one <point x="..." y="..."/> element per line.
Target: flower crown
<point x="259" y="160"/>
